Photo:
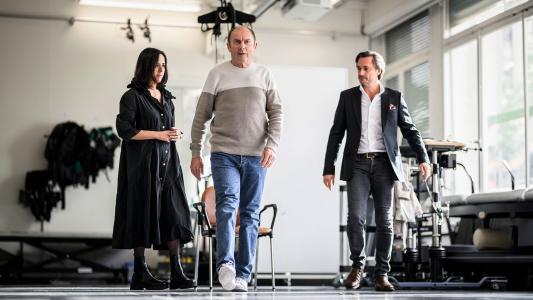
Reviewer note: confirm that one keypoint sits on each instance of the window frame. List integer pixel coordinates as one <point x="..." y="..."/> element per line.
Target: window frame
<point x="516" y="14"/>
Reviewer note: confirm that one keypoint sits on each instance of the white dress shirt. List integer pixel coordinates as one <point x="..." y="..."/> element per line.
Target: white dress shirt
<point x="371" y="131"/>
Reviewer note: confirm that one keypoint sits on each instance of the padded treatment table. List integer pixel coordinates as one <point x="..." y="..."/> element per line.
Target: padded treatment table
<point x="514" y="263"/>
<point x="516" y="203"/>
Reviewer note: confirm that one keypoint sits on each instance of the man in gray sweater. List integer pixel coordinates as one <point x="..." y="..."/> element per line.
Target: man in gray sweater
<point x="246" y="130"/>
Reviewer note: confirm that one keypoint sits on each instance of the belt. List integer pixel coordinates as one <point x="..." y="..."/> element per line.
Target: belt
<point x="370" y="155"/>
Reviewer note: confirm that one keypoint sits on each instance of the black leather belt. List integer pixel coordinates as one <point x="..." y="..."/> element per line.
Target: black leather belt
<point x="370" y="155"/>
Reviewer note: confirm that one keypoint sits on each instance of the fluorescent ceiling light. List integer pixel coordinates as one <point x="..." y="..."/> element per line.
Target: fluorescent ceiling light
<point x="172" y="5"/>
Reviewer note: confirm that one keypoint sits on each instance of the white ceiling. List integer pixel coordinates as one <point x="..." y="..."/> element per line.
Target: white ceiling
<point x="345" y="18"/>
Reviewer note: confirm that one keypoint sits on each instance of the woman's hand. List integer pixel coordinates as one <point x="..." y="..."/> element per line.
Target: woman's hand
<point x="169" y="135"/>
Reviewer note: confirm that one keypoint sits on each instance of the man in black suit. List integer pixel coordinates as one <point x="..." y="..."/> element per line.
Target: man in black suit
<point x="371" y="114"/>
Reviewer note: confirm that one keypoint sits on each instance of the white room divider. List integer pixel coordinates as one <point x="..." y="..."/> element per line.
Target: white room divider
<point x="306" y="232"/>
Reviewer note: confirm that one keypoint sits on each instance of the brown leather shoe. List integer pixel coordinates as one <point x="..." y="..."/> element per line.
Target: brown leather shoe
<point x="353" y="281"/>
<point x="383" y="284"/>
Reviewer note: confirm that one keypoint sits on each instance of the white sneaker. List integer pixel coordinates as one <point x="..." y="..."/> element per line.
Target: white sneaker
<point x="241" y="285"/>
<point x="226" y="276"/>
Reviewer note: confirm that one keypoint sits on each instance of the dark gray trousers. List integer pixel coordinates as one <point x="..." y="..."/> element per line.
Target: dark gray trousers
<point x="371" y="176"/>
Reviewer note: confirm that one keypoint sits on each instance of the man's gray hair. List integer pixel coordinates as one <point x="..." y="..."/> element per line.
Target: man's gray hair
<point x="377" y="60"/>
<point x="233" y="29"/>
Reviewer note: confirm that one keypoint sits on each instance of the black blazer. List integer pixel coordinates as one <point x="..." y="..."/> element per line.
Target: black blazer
<point x="394" y="114"/>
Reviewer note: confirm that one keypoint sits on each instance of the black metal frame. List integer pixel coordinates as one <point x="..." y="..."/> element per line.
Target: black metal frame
<point x="274" y="208"/>
<point x="39" y="241"/>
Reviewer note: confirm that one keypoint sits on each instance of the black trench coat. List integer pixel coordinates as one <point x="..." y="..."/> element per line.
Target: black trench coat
<point x="151" y="206"/>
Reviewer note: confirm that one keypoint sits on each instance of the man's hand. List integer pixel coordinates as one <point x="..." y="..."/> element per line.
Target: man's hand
<point x="268" y="158"/>
<point x="329" y="181"/>
<point x="197" y="167"/>
<point x="425" y="170"/>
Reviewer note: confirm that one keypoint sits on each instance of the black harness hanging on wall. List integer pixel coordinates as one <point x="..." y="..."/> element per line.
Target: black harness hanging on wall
<point x="40" y="195"/>
<point x="67" y="151"/>
<point x="103" y="142"/>
<point x="73" y="156"/>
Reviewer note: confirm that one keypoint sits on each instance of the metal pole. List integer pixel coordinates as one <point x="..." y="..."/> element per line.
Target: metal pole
<point x="197" y="258"/>
<point x="256" y="264"/>
<point x="526" y="98"/>
<point x="210" y="263"/>
<point x="436" y="252"/>
<point x="436" y="201"/>
<point x="341" y="231"/>
<point x="272" y="263"/>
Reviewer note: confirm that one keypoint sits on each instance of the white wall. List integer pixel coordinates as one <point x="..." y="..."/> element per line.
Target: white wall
<point x="58" y="73"/>
<point x="53" y="72"/>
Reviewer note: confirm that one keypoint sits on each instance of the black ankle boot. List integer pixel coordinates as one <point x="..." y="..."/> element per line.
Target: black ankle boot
<point x="178" y="279"/>
<point x="142" y="279"/>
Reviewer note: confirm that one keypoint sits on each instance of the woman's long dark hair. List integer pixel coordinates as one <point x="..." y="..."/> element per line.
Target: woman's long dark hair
<point x="146" y="63"/>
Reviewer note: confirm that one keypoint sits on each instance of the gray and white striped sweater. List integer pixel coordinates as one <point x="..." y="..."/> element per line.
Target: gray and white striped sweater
<point x="246" y="107"/>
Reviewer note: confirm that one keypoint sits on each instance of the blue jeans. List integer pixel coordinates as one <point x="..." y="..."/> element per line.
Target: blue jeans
<point x="377" y="177"/>
<point x="239" y="182"/>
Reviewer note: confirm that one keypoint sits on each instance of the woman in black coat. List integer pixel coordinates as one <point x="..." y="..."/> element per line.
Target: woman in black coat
<point x="151" y="208"/>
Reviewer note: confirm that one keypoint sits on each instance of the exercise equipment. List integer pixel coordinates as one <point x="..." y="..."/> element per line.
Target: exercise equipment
<point x="494" y="267"/>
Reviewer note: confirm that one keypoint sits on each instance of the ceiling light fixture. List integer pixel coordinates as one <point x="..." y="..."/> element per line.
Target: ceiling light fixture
<point x="172" y="5"/>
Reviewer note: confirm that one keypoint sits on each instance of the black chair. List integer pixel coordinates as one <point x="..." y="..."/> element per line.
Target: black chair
<point x="206" y="219"/>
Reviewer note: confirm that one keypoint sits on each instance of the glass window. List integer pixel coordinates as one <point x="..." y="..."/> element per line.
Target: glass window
<point x="409" y="37"/>
<point x="416" y="93"/>
<point x="503" y="107"/>
<point x="463" y="14"/>
<point x="461" y="113"/>
<point x="393" y="83"/>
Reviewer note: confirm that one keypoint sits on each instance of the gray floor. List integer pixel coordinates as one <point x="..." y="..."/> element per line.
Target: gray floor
<point x="327" y="293"/>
